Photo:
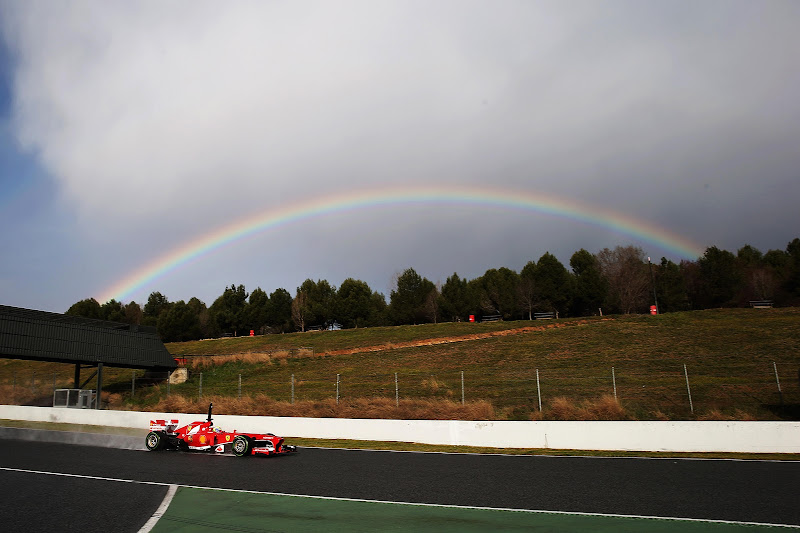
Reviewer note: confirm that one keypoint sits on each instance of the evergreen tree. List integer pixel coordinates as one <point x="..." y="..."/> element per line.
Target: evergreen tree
<point x="553" y="284"/>
<point x="88" y="308"/>
<point x="355" y="304"/>
<point x="591" y="288"/>
<point x="407" y="301"/>
<point x="720" y="278"/>
<point x="179" y="323"/>
<point x="229" y="311"/>
<point x="792" y="283"/>
<point x="671" y="287"/>
<point x="258" y="311"/>
<point x="156" y="304"/>
<point x="319" y="301"/>
<point x="280" y="310"/>
<point x="454" y="301"/>
<point x="499" y="292"/>
<point x="112" y="311"/>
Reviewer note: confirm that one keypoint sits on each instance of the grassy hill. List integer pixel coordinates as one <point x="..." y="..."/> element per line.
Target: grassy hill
<point x="731" y="357"/>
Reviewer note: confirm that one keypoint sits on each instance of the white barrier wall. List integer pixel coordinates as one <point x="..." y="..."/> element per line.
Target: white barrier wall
<point x="711" y="436"/>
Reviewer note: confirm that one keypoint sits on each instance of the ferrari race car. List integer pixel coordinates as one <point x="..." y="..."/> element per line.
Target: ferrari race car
<point x="203" y="436"/>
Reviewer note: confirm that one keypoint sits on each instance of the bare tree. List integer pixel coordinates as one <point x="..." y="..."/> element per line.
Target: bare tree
<point x="626" y="272"/>
<point x="431" y="304"/>
<point x="300" y="310"/>
<point x="526" y="294"/>
<point x="762" y="283"/>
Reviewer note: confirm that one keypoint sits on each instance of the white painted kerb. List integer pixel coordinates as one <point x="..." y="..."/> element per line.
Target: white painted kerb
<point x="706" y="436"/>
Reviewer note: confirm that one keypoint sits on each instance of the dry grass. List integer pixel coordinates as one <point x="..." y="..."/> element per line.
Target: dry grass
<point x="261" y="405"/>
<point x="718" y="414"/>
<point x="604" y="408"/>
<point x="249" y="358"/>
<point x="11" y="395"/>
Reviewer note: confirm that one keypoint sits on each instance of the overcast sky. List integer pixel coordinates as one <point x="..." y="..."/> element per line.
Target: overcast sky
<point x="128" y="129"/>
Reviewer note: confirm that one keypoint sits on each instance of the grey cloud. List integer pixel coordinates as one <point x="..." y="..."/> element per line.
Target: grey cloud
<point x="190" y="114"/>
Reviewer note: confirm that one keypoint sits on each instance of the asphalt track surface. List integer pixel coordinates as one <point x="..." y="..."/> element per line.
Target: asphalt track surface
<point x="741" y="491"/>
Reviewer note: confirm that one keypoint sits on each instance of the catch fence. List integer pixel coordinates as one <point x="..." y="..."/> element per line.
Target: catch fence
<point x="763" y="389"/>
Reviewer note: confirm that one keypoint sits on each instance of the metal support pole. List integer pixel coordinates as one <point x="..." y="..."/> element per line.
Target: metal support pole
<point x="54" y="382"/>
<point x="200" y="388"/>
<point x="33" y="381"/>
<point x="614" y="381"/>
<point x="293" y="388"/>
<point x="98" y="404"/>
<point x="240" y="386"/>
<point x="133" y="384"/>
<point x="462" y="387"/>
<point x="538" y="390"/>
<point x="396" y="391"/>
<point x="688" y="390"/>
<point x="77" y="377"/>
<point x="337" y="389"/>
<point x="168" y="380"/>
<point x="778" y="381"/>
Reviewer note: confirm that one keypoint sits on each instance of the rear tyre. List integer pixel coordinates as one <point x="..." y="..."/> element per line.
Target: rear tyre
<point x="242" y="446"/>
<point x="154" y="440"/>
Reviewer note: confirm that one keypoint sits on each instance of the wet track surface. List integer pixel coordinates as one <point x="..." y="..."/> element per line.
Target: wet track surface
<point x="746" y="491"/>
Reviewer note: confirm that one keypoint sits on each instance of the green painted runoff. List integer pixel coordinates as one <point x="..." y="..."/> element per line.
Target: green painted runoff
<point x="199" y="510"/>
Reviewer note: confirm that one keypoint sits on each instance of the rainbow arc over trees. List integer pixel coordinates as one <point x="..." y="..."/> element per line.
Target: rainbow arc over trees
<point x="461" y="196"/>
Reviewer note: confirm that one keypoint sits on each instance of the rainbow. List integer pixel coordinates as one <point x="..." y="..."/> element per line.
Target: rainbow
<point x="469" y="196"/>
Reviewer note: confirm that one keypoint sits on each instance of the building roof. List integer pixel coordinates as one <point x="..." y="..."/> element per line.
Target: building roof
<point x="44" y="336"/>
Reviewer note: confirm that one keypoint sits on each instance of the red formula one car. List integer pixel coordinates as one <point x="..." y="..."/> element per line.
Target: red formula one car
<point x="203" y="436"/>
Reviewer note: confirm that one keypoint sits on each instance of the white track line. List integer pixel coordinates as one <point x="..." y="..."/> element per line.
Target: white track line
<point x="532" y="511"/>
<point x="150" y="524"/>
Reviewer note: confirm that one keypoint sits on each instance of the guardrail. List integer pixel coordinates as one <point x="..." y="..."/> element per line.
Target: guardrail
<point x="656" y="436"/>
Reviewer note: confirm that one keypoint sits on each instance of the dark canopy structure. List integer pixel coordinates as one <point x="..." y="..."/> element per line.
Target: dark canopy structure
<point x="84" y="342"/>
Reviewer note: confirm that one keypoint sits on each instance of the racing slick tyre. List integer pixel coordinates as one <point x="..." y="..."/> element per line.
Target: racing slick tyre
<point x="242" y="446"/>
<point x="155" y="440"/>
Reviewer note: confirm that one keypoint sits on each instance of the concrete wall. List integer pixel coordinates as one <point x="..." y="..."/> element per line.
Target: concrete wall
<point x="746" y="437"/>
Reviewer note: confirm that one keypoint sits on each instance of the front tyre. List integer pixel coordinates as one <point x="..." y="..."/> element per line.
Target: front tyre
<point x="242" y="446"/>
<point x="155" y="440"/>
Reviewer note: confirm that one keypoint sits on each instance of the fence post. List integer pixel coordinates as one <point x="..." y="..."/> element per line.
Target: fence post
<point x="396" y="391"/>
<point x="538" y="390"/>
<point x="292" y="388"/>
<point x="54" y="382"/>
<point x="778" y="381"/>
<point x="133" y="384"/>
<point x="15" y="384"/>
<point x="614" y="381"/>
<point x="201" y="385"/>
<point x="240" y="386"/>
<point x="169" y="375"/>
<point x="337" y="389"/>
<point x="33" y="381"/>
<point x="462" y="387"/>
<point x="688" y="390"/>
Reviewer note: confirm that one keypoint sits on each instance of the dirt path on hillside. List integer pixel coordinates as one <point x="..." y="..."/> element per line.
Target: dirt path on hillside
<point x="449" y="340"/>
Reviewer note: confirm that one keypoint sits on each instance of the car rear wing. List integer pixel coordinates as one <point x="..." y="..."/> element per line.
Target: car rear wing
<point x="163" y="425"/>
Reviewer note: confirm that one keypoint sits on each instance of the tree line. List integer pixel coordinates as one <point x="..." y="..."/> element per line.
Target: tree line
<point x="619" y="280"/>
